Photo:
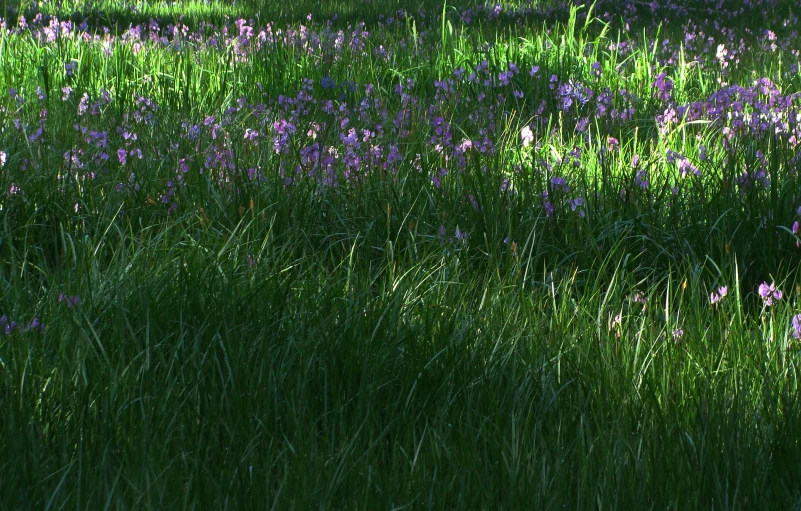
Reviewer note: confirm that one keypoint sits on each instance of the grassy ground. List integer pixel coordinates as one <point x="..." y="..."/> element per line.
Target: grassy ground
<point x="386" y="257"/>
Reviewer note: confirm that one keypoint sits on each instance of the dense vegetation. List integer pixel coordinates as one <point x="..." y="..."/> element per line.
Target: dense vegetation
<point x="385" y="255"/>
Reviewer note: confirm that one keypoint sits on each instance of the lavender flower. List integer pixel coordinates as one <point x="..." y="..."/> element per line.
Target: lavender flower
<point x="663" y="87"/>
<point x="715" y="298"/>
<point x="327" y="82"/>
<point x="796" y="328"/>
<point x="72" y="301"/>
<point x="769" y="293"/>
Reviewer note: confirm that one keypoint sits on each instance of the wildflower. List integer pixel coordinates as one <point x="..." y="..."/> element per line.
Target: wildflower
<point x="4" y="157"/>
<point x="614" y="324"/>
<point x="527" y="136"/>
<point x="642" y="179"/>
<point x="7" y="324"/>
<point x="576" y="204"/>
<point x="639" y="297"/>
<point x="769" y="293"/>
<point x="677" y="333"/>
<point x="685" y="167"/>
<point x="251" y="135"/>
<point x="662" y="87"/>
<point x="327" y="82"/>
<point x="714" y="298"/>
<point x="796" y="328"/>
<point x="559" y="183"/>
<point x="72" y="301"/>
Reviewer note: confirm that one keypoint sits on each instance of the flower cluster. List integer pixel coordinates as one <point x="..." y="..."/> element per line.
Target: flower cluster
<point x="715" y="298"/>
<point x="769" y="293"/>
<point x="71" y="301"/>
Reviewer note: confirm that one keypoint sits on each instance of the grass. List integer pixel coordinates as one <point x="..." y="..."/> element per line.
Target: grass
<point x="222" y="298"/>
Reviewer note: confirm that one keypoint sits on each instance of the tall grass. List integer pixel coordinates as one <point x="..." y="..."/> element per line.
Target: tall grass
<point x="212" y="318"/>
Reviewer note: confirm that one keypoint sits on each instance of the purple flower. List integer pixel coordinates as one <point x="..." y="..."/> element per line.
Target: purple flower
<point x="662" y="87"/>
<point x="72" y="301"/>
<point x="576" y="204"/>
<point x="769" y="293"/>
<point x="559" y="183"/>
<point x="796" y="330"/>
<point x="327" y="82"/>
<point x="642" y="179"/>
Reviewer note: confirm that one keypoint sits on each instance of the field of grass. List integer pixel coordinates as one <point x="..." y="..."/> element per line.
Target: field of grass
<point x="391" y="254"/>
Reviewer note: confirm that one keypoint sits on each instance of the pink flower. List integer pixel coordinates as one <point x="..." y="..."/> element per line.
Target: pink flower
<point x="769" y="293"/>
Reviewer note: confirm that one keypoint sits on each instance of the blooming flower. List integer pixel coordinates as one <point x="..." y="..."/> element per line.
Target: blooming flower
<point x="327" y="82"/>
<point x="796" y="328"/>
<point x="769" y="293"/>
<point x="527" y="136"/>
<point x="614" y="324"/>
<point x="72" y="301"/>
<point x="720" y="295"/>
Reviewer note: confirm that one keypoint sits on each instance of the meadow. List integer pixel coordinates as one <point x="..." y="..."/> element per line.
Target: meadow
<point x="395" y="254"/>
